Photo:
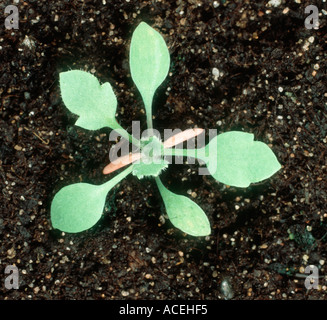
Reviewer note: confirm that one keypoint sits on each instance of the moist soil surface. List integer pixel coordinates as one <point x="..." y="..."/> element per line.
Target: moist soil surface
<point x="271" y="81"/>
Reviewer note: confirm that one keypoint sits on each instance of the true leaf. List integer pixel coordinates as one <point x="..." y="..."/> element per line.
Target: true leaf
<point x="95" y="104"/>
<point x="183" y="213"/>
<point x="235" y="159"/>
<point x="153" y="169"/>
<point x="79" y="206"/>
<point x="149" y="63"/>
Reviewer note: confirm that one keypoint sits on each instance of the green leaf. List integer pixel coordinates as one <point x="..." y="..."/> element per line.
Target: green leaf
<point x="235" y="159"/>
<point x="83" y="95"/>
<point x="183" y="213"/>
<point x="153" y="169"/>
<point x="149" y="63"/>
<point x="151" y="163"/>
<point x="79" y="206"/>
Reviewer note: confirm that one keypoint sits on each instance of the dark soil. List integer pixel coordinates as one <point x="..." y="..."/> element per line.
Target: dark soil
<point x="272" y="83"/>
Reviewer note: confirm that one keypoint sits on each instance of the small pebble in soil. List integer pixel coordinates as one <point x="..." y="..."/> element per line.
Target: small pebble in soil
<point x="316" y="66"/>
<point x="215" y="73"/>
<point x="124" y="293"/>
<point x="274" y="3"/>
<point x="226" y="289"/>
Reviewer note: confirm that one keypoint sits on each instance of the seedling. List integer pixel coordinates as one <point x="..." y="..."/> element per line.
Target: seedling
<point x="233" y="158"/>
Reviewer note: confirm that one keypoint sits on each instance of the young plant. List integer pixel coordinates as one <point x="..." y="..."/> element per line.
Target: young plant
<point x="233" y="158"/>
